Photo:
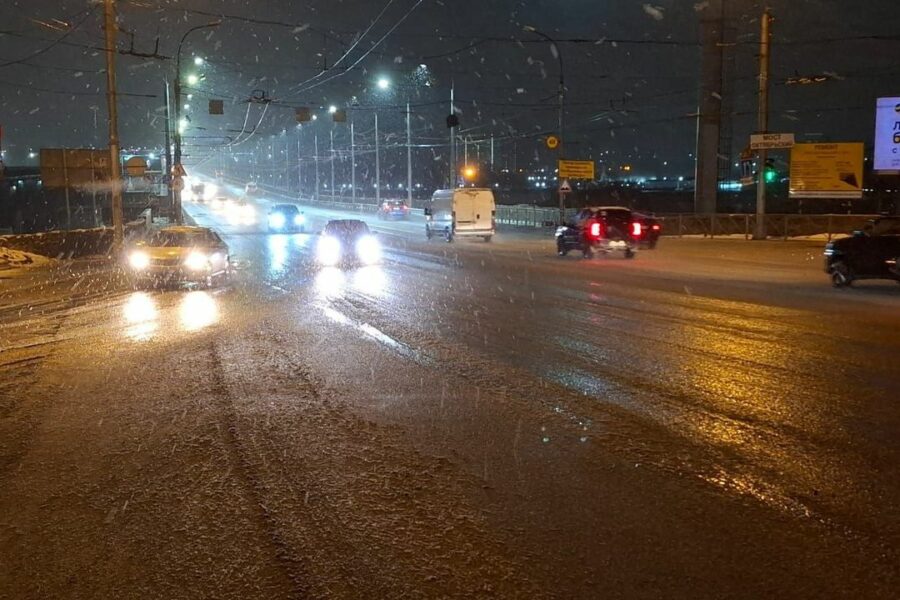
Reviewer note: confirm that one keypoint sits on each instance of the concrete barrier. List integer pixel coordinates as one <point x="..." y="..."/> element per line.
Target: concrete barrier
<point x="75" y="243"/>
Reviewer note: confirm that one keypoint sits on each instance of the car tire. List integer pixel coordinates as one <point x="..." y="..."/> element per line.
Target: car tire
<point x="488" y="238"/>
<point x="630" y="254"/>
<point x="448" y="236"/>
<point x="428" y="234"/>
<point x="652" y="245"/>
<point x="561" y="249"/>
<point x="840" y="276"/>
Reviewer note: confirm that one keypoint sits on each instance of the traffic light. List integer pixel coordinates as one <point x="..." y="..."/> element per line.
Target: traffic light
<point x="771" y="173"/>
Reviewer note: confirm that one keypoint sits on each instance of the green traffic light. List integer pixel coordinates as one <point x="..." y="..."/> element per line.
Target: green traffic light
<point x="771" y="175"/>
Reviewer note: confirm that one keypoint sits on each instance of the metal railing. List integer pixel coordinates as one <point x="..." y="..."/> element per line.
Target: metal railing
<point x="778" y="226"/>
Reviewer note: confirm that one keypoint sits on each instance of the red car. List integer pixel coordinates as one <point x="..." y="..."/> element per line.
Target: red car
<point x="393" y="209"/>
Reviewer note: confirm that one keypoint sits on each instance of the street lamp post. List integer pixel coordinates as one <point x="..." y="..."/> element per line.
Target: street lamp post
<point x="561" y="94"/>
<point x="353" y="162"/>
<point x="377" y="164"/>
<point x="178" y="104"/>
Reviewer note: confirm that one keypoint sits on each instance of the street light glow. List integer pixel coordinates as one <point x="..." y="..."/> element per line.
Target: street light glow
<point x="198" y="61"/>
<point x="384" y="83"/>
<point x="192" y="79"/>
<point x="332" y="109"/>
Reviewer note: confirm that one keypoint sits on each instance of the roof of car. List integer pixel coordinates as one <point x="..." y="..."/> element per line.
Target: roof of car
<point x="595" y="208"/>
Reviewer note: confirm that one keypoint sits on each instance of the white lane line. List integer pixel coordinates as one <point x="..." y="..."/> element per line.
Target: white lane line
<point x="379" y="336"/>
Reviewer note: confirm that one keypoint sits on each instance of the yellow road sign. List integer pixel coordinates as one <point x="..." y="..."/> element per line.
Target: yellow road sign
<point x="827" y="171"/>
<point x="576" y="169"/>
<point x="552" y="142"/>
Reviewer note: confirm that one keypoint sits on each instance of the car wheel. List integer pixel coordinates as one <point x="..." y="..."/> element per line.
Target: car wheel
<point x="488" y="238"/>
<point x="561" y="248"/>
<point x="448" y="235"/>
<point x="840" y="276"/>
<point x="652" y="245"/>
<point x="629" y="254"/>
<point x="428" y="234"/>
<point x="588" y="254"/>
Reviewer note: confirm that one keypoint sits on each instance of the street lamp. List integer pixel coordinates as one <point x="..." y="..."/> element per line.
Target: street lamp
<point x="561" y="94"/>
<point x="198" y="61"/>
<point x="384" y="83"/>
<point x="192" y="80"/>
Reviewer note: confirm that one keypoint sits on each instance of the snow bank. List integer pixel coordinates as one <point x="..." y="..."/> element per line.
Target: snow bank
<point x="13" y="259"/>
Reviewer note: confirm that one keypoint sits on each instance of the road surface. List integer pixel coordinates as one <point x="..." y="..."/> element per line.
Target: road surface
<point x="471" y="420"/>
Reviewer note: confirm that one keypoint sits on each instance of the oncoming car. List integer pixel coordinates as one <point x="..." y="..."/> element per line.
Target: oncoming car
<point x="179" y="255"/>
<point x="347" y="241"/>
<point x="286" y="217"/>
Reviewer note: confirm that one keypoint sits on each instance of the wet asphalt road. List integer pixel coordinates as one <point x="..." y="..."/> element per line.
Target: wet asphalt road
<point x="467" y="420"/>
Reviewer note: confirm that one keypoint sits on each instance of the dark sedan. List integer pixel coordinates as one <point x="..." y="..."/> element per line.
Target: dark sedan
<point x="868" y="254"/>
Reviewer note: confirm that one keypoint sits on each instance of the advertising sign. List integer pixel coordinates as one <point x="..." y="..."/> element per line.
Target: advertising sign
<point x="887" y="135"/>
<point x="576" y="169"/>
<point x="827" y="171"/>
<point x="74" y="167"/>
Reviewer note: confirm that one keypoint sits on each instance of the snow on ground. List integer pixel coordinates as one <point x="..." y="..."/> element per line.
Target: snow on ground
<point x="14" y="259"/>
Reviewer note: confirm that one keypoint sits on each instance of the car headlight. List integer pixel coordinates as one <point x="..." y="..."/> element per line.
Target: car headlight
<point x="368" y="250"/>
<point x="299" y="220"/>
<point x="276" y="220"/>
<point x="139" y="260"/>
<point x="329" y="251"/>
<point x="196" y="261"/>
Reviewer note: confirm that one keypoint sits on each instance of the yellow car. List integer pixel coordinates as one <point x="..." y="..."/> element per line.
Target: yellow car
<point x="179" y="255"/>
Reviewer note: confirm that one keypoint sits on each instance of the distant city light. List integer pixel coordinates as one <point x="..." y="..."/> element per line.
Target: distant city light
<point x="384" y="83"/>
<point x="198" y="61"/>
<point x="187" y="107"/>
<point x="332" y="109"/>
<point x="32" y="155"/>
<point x="192" y="79"/>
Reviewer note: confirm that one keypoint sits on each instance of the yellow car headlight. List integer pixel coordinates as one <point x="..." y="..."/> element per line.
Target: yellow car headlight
<point x="139" y="260"/>
<point x="196" y="261"/>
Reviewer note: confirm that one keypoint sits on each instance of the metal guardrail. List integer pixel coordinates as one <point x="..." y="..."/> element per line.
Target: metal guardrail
<point x="778" y="226"/>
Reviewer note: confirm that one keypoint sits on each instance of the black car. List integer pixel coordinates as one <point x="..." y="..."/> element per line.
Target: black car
<point x="286" y="217"/>
<point x="650" y="230"/>
<point x="868" y="254"/>
<point x="347" y="242"/>
<point x="604" y="229"/>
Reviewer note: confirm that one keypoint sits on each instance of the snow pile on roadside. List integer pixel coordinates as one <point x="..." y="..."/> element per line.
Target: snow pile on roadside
<point x="12" y="259"/>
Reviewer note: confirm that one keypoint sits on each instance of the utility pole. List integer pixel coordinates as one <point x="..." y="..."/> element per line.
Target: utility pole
<point x="492" y="152"/>
<point x="709" y="113"/>
<point x="114" y="166"/>
<point x="167" y="177"/>
<point x="299" y="165"/>
<point x="453" y="164"/>
<point x="353" y="162"/>
<point x="377" y="165"/>
<point x="763" y="125"/>
<point x="316" y="148"/>
<point x="332" y="162"/>
<point x="408" y="157"/>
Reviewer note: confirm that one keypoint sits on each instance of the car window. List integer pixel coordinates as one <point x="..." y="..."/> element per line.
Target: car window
<point x="182" y="239"/>
<point x="346" y="228"/>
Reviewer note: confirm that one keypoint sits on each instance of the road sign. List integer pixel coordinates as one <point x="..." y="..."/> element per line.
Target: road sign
<point x="552" y="142"/>
<point x="74" y="167"/>
<point x="887" y="135"/>
<point x="771" y="141"/>
<point x="177" y="184"/>
<point x="827" y="171"/>
<point x="178" y="170"/>
<point x="566" y="187"/>
<point x="576" y="169"/>
<point x="136" y="166"/>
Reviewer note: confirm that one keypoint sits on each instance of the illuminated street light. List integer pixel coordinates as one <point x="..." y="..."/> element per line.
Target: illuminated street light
<point x="192" y="79"/>
<point x="198" y="61"/>
<point x="469" y="172"/>
<point x="332" y="109"/>
<point x="384" y="83"/>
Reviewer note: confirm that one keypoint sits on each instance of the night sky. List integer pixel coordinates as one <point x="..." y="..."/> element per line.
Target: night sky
<point x="632" y="79"/>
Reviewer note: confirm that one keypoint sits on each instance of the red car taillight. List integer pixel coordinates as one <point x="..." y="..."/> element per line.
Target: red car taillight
<point x="656" y="228"/>
<point x="636" y="229"/>
<point x="595" y="230"/>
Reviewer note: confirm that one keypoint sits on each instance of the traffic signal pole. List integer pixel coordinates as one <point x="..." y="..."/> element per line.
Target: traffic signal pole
<point x="115" y="180"/>
<point x="759" y="232"/>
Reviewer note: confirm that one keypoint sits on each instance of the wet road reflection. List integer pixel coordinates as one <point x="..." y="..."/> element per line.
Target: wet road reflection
<point x="198" y="310"/>
<point x="144" y="317"/>
<point x="141" y="314"/>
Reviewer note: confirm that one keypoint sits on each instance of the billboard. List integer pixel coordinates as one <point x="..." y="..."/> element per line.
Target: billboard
<point x="887" y="135"/>
<point x="827" y="171"/>
<point x="576" y="169"/>
<point x="73" y="167"/>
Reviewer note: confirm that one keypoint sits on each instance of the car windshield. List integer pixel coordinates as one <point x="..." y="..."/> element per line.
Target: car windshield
<point x="181" y="239"/>
<point x="346" y="228"/>
<point x="287" y="209"/>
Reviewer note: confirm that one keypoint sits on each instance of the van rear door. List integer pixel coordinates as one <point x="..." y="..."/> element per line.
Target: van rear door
<point x="474" y="211"/>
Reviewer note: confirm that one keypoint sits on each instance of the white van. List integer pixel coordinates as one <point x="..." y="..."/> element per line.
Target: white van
<point x="463" y="212"/>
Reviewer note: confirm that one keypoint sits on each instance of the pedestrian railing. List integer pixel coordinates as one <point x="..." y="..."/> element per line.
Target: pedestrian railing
<point x="781" y="226"/>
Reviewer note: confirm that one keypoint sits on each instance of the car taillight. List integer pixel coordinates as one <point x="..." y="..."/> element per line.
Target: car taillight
<point x="595" y="230"/>
<point x="636" y="229"/>
<point x="656" y="228"/>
